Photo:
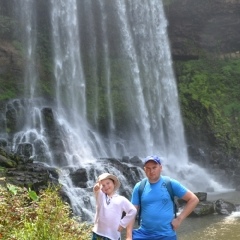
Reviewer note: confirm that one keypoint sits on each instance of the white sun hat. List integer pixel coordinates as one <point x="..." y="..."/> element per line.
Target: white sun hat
<point x="112" y="177"/>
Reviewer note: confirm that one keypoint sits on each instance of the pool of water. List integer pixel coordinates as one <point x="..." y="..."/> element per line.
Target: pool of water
<point x="211" y="228"/>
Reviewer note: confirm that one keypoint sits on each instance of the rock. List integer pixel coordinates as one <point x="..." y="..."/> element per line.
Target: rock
<point x="33" y="176"/>
<point x="3" y="142"/>
<point x="224" y="208"/>
<point x="203" y="208"/>
<point x="136" y="161"/>
<point x="7" y="163"/>
<point x="195" y="25"/>
<point x="79" y="178"/>
<point x="21" y="171"/>
<point x="25" y="149"/>
<point x="202" y="196"/>
<point x="125" y="159"/>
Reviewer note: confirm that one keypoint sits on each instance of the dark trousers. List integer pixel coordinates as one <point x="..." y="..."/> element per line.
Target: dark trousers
<point x="98" y="237"/>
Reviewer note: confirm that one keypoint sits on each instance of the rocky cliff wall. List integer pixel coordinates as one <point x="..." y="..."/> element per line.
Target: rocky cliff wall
<point x="203" y="26"/>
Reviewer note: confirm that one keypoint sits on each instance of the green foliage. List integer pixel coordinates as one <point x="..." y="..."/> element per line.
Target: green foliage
<point x="33" y="195"/>
<point x="11" y="87"/>
<point x="45" y="219"/>
<point x="12" y="189"/>
<point x="209" y="92"/>
<point x="8" y="90"/>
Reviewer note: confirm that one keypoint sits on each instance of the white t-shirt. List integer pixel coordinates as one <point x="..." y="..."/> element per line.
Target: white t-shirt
<point x="108" y="216"/>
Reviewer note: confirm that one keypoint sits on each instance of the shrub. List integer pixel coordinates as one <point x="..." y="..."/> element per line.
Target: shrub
<point x="45" y="218"/>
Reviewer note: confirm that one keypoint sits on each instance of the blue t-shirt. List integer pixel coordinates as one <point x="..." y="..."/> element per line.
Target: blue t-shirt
<point x="157" y="207"/>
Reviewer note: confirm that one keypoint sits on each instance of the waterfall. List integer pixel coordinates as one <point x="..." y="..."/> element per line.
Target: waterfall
<point x="27" y="17"/>
<point x="125" y="45"/>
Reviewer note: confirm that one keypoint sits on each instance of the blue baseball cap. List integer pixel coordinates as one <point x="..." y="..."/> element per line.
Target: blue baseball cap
<point x="152" y="158"/>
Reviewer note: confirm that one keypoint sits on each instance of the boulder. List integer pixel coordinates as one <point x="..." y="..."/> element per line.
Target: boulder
<point x="203" y="208"/>
<point x="224" y="208"/>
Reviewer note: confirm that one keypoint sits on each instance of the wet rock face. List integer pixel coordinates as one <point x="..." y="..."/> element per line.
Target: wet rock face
<point x="19" y="170"/>
<point x="32" y="176"/>
<point x="198" y="26"/>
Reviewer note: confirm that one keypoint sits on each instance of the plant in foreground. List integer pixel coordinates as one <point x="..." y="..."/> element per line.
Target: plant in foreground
<point x="24" y="216"/>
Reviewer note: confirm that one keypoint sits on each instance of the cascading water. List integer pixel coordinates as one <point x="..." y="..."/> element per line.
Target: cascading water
<point x="125" y="46"/>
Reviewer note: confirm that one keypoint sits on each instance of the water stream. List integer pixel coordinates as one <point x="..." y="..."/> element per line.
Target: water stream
<point x="213" y="227"/>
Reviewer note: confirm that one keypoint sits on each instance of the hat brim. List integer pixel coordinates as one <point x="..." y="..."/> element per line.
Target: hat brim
<point x="153" y="160"/>
<point x="112" y="177"/>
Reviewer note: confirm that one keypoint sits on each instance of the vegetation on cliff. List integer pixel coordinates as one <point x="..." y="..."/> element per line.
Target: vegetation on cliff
<point x="209" y="92"/>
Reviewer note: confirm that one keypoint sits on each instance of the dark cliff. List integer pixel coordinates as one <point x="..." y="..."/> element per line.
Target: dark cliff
<point x="203" y="26"/>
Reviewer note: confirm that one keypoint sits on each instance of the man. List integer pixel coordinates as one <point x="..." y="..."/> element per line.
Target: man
<point x="157" y="213"/>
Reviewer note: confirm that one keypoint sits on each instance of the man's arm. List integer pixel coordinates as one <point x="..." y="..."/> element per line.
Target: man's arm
<point x="130" y="227"/>
<point x="192" y="201"/>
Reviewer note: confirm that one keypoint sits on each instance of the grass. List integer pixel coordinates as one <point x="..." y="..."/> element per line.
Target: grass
<point x="25" y="215"/>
